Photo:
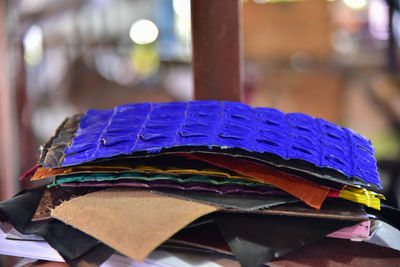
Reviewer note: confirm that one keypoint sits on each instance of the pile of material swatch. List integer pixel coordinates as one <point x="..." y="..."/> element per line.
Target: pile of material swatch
<point x="203" y="176"/>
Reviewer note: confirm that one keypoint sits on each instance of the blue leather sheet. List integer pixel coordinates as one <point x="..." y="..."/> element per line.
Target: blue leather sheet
<point x="150" y="127"/>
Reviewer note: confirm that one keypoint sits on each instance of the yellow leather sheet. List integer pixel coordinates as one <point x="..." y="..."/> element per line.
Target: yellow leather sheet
<point x="362" y="196"/>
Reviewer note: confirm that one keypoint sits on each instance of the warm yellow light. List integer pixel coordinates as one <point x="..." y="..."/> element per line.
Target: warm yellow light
<point x="145" y="60"/>
<point x="143" y="32"/>
<point x="356" y="4"/>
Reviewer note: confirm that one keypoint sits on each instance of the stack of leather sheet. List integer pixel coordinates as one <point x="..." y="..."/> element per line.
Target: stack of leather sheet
<point x="201" y="176"/>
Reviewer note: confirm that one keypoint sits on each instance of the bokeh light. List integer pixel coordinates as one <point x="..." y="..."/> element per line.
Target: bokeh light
<point x="356" y="4"/>
<point x="181" y="8"/>
<point x="378" y="19"/>
<point x="145" y="60"/>
<point x="33" y="45"/>
<point x="143" y="32"/>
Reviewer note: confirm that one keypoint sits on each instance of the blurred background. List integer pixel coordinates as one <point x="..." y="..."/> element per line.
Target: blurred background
<point x="337" y="60"/>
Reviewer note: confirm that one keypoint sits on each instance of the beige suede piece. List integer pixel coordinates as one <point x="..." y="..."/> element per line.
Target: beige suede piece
<point x="133" y="222"/>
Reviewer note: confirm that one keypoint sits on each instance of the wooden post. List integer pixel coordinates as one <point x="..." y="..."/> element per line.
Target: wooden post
<point x="392" y="58"/>
<point x="8" y="151"/>
<point x="217" y="55"/>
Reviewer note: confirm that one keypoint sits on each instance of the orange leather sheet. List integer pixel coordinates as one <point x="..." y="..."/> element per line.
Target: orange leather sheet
<point x="311" y="193"/>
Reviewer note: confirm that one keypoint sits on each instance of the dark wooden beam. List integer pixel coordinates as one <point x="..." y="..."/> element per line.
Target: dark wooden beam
<point x="217" y="55"/>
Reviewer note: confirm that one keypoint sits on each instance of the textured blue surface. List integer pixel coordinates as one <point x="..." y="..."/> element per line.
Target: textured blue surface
<point x="151" y="127"/>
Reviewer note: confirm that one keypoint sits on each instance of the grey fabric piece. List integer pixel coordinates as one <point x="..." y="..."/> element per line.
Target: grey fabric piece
<point x="236" y="201"/>
<point x="255" y="240"/>
<point x="386" y="236"/>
